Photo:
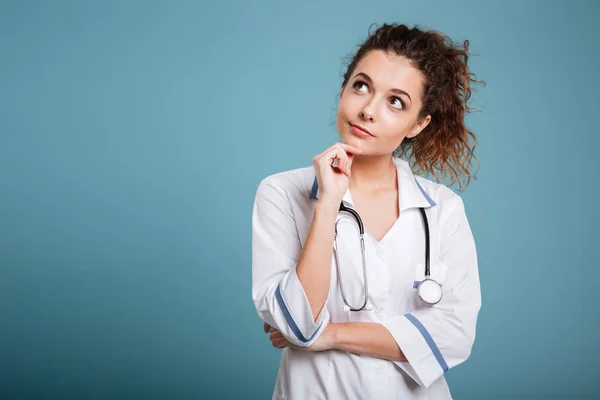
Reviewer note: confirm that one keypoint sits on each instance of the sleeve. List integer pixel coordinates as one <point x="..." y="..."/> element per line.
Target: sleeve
<point x="439" y="337"/>
<point x="278" y="295"/>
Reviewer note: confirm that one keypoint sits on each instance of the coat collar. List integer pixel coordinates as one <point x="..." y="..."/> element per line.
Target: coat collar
<point x="412" y="194"/>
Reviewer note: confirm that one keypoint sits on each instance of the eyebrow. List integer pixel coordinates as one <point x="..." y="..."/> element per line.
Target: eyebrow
<point x="368" y="78"/>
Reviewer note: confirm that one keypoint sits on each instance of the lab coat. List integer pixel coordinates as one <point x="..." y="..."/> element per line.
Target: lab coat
<point x="433" y="338"/>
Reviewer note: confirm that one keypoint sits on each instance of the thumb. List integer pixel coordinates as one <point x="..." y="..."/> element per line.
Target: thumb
<point x="266" y="327"/>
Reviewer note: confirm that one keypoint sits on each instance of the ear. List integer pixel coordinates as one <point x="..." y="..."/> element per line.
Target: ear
<point x="419" y="127"/>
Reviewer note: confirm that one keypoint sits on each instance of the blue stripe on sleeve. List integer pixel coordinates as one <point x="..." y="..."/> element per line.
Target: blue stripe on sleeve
<point x="289" y="318"/>
<point x="315" y="188"/>
<point x="429" y="340"/>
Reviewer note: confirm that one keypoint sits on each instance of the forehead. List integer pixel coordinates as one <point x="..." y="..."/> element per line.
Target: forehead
<point x="389" y="70"/>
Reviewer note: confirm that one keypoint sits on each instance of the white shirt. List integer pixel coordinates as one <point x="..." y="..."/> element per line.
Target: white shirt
<point x="433" y="338"/>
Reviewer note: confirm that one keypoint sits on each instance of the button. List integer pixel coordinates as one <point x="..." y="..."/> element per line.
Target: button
<point x="380" y="252"/>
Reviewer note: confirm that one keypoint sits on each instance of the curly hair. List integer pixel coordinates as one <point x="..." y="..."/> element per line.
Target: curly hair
<point x="443" y="145"/>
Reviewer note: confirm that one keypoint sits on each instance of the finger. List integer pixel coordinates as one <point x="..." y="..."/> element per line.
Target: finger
<point x="350" y="151"/>
<point x="275" y="335"/>
<point x="346" y="147"/>
<point x="338" y="152"/>
<point x="327" y="150"/>
<point x="346" y="166"/>
<point x="280" y="344"/>
<point x="323" y="153"/>
<point x="335" y="152"/>
<point x="266" y="327"/>
<point x="349" y="148"/>
<point x="349" y="163"/>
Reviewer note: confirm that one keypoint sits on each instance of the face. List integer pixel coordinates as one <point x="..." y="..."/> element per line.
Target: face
<point x="383" y="96"/>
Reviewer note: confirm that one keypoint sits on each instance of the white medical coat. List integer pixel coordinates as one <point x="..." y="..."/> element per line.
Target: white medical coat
<point x="433" y="338"/>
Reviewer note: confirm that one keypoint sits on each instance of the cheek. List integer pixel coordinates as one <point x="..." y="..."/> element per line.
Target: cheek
<point x="395" y="132"/>
<point x="350" y="105"/>
<point x="339" y="118"/>
<point x="342" y="107"/>
<point x="344" y="113"/>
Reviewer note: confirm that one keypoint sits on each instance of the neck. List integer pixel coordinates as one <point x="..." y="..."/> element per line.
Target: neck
<point x="372" y="172"/>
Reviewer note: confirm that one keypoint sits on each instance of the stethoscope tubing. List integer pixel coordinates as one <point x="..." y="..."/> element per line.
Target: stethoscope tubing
<point x="361" y="228"/>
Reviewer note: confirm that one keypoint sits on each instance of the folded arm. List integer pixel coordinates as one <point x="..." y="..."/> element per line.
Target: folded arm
<point x="290" y="284"/>
<point x="367" y="338"/>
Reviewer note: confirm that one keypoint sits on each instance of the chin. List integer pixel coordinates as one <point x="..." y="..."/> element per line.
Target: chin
<point x="351" y="139"/>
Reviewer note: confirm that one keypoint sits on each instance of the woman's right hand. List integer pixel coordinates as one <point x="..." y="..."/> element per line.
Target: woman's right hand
<point x="333" y="181"/>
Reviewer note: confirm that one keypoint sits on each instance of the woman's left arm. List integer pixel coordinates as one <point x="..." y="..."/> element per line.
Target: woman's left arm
<point x="368" y="338"/>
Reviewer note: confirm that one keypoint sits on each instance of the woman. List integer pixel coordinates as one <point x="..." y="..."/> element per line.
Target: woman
<point x="404" y="94"/>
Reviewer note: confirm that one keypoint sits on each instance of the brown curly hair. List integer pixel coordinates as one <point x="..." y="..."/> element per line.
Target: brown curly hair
<point x="442" y="145"/>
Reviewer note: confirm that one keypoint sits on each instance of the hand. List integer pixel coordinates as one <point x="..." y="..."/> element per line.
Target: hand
<point x="324" y="342"/>
<point x="333" y="181"/>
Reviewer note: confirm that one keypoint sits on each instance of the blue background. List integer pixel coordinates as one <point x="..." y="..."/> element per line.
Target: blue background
<point x="133" y="135"/>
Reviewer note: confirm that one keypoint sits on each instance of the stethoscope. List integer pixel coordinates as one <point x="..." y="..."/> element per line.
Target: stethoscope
<point x="429" y="290"/>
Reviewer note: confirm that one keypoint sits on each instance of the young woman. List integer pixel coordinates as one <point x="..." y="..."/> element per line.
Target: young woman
<point x="385" y="314"/>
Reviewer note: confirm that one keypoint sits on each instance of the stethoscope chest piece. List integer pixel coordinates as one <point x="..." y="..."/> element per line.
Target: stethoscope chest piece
<point x="430" y="291"/>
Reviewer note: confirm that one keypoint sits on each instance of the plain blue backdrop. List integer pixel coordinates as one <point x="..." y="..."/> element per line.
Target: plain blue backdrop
<point x="133" y="135"/>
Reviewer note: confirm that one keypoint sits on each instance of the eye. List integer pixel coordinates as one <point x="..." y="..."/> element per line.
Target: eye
<point x="358" y="83"/>
<point x="399" y="104"/>
<point x="398" y="101"/>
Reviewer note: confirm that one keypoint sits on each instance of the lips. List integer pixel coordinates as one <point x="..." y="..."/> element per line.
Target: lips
<point x="362" y="129"/>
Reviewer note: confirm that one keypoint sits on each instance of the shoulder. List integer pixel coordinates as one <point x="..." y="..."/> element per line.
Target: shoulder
<point x="294" y="185"/>
<point x="449" y="204"/>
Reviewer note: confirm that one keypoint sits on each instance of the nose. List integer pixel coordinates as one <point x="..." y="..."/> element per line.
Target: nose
<point x="366" y="113"/>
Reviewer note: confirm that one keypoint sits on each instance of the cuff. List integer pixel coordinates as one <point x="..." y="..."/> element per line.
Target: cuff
<point x="425" y="361"/>
<point x="294" y="304"/>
